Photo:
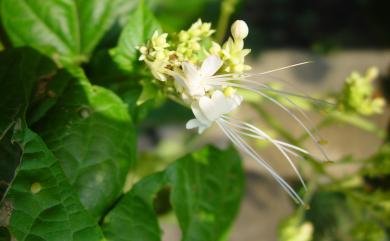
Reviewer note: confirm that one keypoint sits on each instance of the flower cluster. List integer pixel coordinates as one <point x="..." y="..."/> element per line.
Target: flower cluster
<point x="358" y="94"/>
<point x="178" y="61"/>
<point x="206" y="76"/>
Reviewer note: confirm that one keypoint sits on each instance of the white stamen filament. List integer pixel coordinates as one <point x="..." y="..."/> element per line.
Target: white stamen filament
<point x="273" y="100"/>
<point x="243" y="145"/>
<point x="263" y="135"/>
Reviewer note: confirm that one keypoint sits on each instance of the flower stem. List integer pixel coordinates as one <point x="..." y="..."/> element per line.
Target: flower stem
<point x="227" y="8"/>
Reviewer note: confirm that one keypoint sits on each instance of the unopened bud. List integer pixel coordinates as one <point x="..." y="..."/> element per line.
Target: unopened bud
<point x="239" y="30"/>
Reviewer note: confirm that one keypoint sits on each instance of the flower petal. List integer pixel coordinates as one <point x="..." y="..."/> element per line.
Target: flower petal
<point x="199" y="115"/>
<point x="193" y="123"/>
<point x="210" y="66"/>
<point x="180" y="81"/>
<point x="190" y="71"/>
<point x="209" y="108"/>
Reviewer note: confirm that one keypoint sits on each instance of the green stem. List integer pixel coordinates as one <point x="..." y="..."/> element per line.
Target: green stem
<point x="227" y="8"/>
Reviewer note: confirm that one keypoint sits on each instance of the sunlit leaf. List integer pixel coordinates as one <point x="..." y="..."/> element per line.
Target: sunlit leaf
<point x="67" y="30"/>
<point x="43" y="204"/>
<point x="90" y="131"/>
<point x="140" y="27"/>
<point x="206" y="188"/>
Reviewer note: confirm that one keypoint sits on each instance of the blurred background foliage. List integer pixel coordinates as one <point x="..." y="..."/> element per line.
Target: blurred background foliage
<point x="354" y="207"/>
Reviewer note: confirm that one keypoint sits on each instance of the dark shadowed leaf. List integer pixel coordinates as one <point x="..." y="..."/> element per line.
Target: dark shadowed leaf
<point x="10" y="154"/>
<point x="20" y="70"/>
<point x="44" y="100"/>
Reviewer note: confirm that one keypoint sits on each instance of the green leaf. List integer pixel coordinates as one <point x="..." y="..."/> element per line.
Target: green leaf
<point x="20" y="69"/>
<point x="43" y="204"/>
<point x="65" y="29"/>
<point x="90" y="131"/>
<point x="131" y="219"/>
<point x="140" y="27"/>
<point x="207" y="187"/>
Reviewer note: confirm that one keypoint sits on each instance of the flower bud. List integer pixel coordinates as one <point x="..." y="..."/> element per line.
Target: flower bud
<point x="239" y="30"/>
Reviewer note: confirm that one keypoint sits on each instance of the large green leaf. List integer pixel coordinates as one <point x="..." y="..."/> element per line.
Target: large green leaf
<point x="90" y="131"/>
<point x="20" y="70"/>
<point x="68" y="29"/>
<point x="140" y="27"/>
<point x="206" y="188"/>
<point x="131" y="219"/>
<point x="43" y="204"/>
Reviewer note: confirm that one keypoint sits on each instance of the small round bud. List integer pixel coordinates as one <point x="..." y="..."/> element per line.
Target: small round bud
<point x="239" y="30"/>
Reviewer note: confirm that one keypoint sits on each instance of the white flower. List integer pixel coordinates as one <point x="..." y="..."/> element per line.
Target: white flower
<point x="239" y="30"/>
<point x="212" y="95"/>
<point x="207" y="110"/>
<point x="195" y="81"/>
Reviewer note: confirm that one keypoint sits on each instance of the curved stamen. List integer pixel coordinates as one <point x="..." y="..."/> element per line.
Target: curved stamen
<point x="281" y="149"/>
<point x="273" y="100"/>
<point x="243" y="145"/>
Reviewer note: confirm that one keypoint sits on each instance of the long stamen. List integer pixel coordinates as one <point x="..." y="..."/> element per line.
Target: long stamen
<point x="229" y="82"/>
<point x="281" y="149"/>
<point x="273" y="100"/>
<point x="265" y="72"/>
<point x="242" y="144"/>
<point x="302" y="113"/>
<point x="218" y="81"/>
<point x="283" y="68"/>
<point x="262" y="138"/>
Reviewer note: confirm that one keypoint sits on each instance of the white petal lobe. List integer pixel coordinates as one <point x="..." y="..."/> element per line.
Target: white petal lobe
<point x="210" y="66"/>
